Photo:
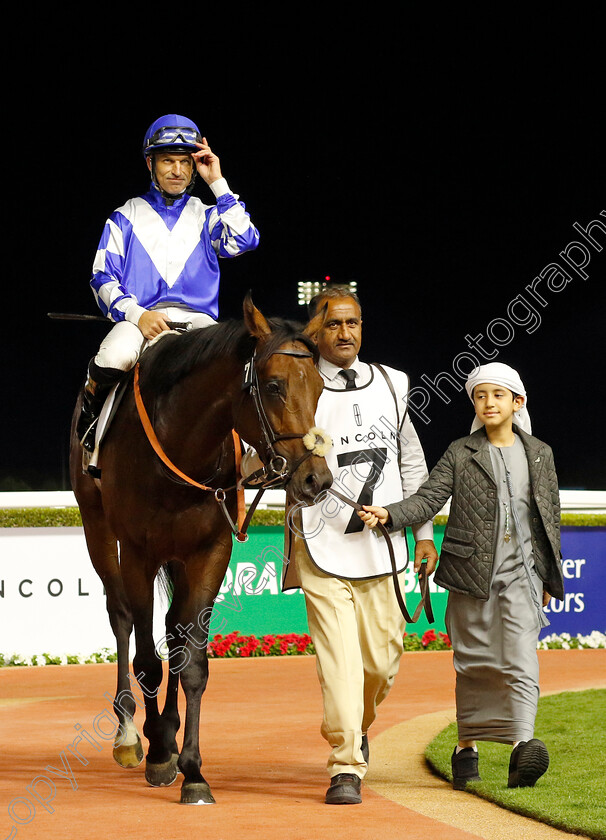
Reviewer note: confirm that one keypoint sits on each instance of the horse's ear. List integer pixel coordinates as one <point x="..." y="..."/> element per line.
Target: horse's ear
<point x="254" y="319"/>
<point x="316" y="323"/>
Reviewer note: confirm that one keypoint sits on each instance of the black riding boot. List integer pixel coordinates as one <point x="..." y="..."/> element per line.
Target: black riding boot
<point x="99" y="383"/>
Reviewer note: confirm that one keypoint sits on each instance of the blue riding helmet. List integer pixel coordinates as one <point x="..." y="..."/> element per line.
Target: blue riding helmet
<point x="171" y="133"/>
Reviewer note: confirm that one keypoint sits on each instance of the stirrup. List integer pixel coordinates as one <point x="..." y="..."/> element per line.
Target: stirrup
<point x="87" y="441"/>
<point x="88" y="468"/>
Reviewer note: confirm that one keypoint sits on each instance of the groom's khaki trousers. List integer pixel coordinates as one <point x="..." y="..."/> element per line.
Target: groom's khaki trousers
<point x="356" y="627"/>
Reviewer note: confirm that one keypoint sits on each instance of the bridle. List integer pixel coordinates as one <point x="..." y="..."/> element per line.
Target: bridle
<point x="274" y="474"/>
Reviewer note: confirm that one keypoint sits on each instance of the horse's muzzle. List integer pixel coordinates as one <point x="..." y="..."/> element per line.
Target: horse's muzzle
<point x="310" y="480"/>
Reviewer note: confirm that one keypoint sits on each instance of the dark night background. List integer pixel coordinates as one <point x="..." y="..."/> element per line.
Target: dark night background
<point x="438" y="163"/>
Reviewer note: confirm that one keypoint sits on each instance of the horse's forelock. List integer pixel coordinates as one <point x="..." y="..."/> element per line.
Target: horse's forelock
<point x="283" y="331"/>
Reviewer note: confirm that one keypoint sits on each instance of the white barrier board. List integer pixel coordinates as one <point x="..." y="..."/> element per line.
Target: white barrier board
<point x="51" y="599"/>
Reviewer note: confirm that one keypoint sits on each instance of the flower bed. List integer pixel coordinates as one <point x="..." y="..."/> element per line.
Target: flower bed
<point x="16" y="660"/>
<point x="428" y="641"/>
<point x="567" y="642"/>
<point x="236" y="646"/>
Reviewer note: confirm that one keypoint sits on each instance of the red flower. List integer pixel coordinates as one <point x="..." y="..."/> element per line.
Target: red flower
<point x="428" y="636"/>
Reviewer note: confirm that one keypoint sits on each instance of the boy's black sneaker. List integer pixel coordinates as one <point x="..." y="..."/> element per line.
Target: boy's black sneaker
<point x="528" y="762"/>
<point x="464" y="767"/>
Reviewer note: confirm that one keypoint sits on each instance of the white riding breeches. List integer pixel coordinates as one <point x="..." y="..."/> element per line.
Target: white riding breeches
<point x="124" y="343"/>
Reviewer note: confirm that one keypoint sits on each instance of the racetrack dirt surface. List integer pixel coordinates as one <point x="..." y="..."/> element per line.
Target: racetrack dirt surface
<point x="263" y="757"/>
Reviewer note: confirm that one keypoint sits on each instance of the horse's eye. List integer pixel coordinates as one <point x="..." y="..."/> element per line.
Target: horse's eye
<point x="273" y="389"/>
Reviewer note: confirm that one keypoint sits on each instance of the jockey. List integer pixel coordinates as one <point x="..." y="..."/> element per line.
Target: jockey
<point x="158" y="258"/>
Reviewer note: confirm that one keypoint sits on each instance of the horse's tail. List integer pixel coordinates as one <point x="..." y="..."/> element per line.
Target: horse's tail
<point x="166" y="582"/>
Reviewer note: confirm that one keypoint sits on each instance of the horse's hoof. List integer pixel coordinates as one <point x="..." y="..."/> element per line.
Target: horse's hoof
<point x="162" y="775"/>
<point x="129" y="755"/>
<point x="196" y="793"/>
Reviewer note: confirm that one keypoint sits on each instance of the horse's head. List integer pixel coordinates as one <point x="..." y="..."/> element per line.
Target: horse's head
<point x="283" y="387"/>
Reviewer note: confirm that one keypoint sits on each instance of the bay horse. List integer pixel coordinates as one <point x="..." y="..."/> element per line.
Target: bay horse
<point x="257" y="377"/>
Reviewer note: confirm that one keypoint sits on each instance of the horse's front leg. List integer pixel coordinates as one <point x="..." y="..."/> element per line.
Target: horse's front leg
<point x="139" y="577"/>
<point x="128" y="751"/>
<point x="103" y="551"/>
<point x="175" y="644"/>
<point x="204" y="577"/>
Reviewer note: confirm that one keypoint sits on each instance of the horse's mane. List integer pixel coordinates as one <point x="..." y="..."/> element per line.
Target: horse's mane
<point x="174" y="356"/>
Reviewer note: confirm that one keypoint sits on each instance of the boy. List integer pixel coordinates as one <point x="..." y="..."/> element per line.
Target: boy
<point x="500" y="562"/>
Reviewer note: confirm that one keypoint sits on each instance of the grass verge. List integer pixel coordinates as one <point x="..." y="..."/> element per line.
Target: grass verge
<point x="572" y="793"/>
<point x="70" y="517"/>
<point x="56" y="517"/>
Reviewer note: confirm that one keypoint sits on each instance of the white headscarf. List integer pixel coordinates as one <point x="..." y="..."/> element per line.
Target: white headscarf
<point x="496" y="373"/>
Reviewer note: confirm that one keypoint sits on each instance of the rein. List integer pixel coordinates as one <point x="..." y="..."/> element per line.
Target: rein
<point x="239" y="530"/>
<point x="425" y="602"/>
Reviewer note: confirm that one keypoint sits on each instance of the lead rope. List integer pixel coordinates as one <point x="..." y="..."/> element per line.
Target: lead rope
<point x="425" y="602"/>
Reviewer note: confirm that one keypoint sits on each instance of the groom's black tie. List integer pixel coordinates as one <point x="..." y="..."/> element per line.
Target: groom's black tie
<point x="349" y="376"/>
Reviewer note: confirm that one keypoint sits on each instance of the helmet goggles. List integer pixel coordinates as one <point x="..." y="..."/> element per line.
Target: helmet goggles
<point x="173" y="136"/>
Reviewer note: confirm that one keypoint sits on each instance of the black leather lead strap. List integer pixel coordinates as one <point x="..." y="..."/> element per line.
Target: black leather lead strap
<point x="425" y="602"/>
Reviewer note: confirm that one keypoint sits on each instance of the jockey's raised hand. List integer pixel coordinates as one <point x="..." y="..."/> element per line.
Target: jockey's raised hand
<point x="207" y="163"/>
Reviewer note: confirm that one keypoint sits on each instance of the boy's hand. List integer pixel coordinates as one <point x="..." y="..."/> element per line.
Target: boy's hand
<point x="372" y="515"/>
<point x="426" y="550"/>
<point x="546" y="597"/>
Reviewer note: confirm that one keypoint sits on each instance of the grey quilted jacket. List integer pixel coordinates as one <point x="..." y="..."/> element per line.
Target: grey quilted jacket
<point x="465" y="473"/>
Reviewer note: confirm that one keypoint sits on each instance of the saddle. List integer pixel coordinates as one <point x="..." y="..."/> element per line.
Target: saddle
<point x="90" y="460"/>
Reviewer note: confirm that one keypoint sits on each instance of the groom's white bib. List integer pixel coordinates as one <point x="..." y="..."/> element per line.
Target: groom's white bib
<point x="364" y="461"/>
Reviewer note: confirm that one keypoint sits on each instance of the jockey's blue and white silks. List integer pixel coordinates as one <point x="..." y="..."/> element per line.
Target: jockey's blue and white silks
<point x="152" y="253"/>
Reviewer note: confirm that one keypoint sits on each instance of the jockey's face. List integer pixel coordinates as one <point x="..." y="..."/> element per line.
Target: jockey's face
<point x="340" y="337"/>
<point x="173" y="172"/>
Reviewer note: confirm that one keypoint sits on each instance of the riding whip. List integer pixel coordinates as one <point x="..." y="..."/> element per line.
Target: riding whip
<point x="72" y="316"/>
